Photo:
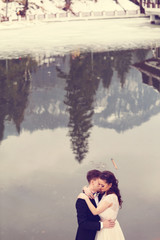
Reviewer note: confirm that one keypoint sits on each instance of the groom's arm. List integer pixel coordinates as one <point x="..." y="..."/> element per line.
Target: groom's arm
<point x="82" y="217"/>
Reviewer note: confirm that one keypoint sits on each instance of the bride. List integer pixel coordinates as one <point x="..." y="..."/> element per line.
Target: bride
<point x="108" y="206"/>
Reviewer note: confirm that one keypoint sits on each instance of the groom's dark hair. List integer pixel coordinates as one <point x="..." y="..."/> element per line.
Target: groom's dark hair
<point x="93" y="174"/>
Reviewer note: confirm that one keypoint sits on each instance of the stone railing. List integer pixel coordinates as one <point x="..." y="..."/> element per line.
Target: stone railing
<point x="68" y="16"/>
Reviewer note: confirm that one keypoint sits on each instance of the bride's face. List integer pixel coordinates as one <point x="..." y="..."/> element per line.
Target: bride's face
<point x="104" y="186"/>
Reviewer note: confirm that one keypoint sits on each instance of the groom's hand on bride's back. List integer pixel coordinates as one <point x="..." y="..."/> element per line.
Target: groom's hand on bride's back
<point x="108" y="224"/>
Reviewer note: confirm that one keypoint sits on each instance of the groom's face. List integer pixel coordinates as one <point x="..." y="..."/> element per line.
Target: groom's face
<point x="96" y="185"/>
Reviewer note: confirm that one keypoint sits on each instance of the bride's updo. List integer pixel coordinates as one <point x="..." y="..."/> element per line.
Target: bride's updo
<point x="109" y="177"/>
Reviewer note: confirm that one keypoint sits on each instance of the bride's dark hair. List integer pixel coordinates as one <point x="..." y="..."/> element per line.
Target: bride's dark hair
<point x="109" y="177"/>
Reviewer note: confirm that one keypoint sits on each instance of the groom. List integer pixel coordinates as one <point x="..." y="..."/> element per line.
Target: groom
<point x="89" y="224"/>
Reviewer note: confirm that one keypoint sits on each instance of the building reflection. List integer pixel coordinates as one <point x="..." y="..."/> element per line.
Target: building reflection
<point x="150" y="69"/>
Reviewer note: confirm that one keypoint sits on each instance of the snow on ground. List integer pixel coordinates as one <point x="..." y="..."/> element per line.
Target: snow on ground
<point x="128" y="5"/>
<point x="36" y="37"/>
<point x="101" y="5"/>
<point x="22" y="38"/>
<point x="55" y="6"/>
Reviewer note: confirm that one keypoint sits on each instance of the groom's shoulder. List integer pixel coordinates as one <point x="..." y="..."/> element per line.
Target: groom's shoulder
<point x="80" y="202"/>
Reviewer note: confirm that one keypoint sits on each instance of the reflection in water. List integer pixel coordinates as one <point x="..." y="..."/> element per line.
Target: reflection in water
<point x="93" y="97"/>
<point x="15" y="76"/>
<point x="87" y="71"/>
<point x="81" y="85"/>
<point x="150" y="70"/>
<point x="101" y="88"/>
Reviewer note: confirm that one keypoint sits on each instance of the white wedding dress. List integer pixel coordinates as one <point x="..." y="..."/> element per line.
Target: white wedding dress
<point x="114" y="233"/>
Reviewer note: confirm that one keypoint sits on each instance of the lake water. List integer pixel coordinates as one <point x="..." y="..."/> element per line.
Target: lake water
<point x="62" y="115"/>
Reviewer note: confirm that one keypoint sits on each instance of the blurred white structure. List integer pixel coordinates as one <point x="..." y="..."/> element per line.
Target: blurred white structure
<point x="152" y="8"/>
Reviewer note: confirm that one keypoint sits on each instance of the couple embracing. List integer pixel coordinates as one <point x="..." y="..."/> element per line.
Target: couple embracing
<point x="97" y="208"/>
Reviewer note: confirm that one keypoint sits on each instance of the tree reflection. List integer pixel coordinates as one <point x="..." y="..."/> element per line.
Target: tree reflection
<point x="122" y="64"/>
<point x="82" y="81"/>
<point x="141" y="54"/>
<point x="81" y="86"/>
<point x="86" y="70"/>
<point x="14" y="89"/>
<point x="103" y="63"/>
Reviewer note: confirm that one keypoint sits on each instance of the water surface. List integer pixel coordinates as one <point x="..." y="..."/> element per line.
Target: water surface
<point x="62" y="115"/>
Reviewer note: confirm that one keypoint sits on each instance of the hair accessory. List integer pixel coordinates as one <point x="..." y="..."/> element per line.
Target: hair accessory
<point x="114" y="163"/>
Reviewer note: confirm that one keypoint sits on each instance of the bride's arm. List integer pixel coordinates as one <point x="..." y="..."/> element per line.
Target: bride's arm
<point x="88" y="192"/>
<point x="101" y="207"/>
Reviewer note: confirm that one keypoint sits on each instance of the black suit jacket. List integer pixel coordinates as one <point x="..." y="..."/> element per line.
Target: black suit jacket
<point x="88" y="224"/>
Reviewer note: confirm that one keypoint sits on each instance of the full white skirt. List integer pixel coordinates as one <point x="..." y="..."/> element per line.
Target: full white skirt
<point x="114" y="233"/>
